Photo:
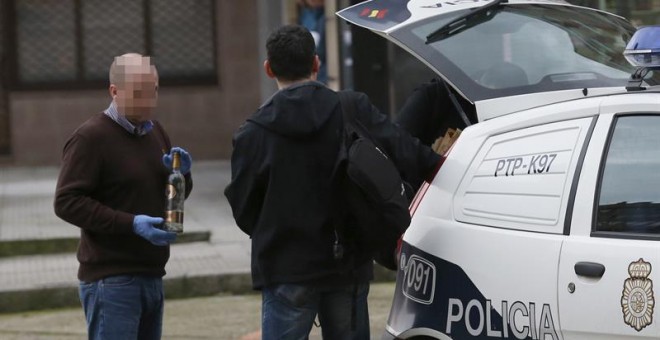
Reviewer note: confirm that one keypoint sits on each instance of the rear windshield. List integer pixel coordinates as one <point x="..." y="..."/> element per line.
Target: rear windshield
<point x="520" y="49"/>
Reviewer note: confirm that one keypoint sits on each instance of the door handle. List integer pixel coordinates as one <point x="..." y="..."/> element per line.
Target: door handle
<point x="589" y="269"/>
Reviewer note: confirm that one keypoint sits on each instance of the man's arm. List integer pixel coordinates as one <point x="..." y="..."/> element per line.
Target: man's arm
<point x="77" y="181"/>
<point x="246" y="191"/>
<point x="420" y="114"/>
<point x="416" y="161"/>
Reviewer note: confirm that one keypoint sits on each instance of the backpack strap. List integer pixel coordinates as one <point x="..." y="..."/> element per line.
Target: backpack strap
<point x="348" y="111"/>
<point x="352" y="125"/>
<point x="347" y="105"/>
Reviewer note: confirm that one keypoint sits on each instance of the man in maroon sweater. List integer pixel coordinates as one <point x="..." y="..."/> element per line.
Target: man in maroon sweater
<point x="112" y="186"/>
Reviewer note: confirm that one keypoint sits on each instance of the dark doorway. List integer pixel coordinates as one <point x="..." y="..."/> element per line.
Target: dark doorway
<point x="370" y="66"/>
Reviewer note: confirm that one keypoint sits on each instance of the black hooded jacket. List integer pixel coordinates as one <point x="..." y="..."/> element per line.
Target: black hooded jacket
<point x="282" y="191"/>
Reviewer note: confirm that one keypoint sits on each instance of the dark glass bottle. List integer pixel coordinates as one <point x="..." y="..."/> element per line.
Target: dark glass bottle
<point x="175" y="191"/>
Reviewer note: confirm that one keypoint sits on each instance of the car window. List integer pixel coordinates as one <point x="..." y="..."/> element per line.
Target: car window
<point x="629" y="199"/>
<point x="525" y="49"/>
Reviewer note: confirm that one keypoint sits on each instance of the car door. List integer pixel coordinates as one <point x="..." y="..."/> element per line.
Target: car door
<point x="609" y="267"/>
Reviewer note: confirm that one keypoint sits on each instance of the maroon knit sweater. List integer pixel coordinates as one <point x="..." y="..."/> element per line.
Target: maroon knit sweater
<point x="108" y="176"/>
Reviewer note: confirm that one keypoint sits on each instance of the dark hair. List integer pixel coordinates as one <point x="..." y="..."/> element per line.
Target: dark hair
<point x="291" y="51"/>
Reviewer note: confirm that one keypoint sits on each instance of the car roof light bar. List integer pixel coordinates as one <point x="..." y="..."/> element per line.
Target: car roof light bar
<point x="643" y="51"/>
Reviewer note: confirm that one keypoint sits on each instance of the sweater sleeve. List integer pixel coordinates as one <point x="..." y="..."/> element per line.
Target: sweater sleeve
<point x="78" y="179"/>
<point x="416" y="162"/>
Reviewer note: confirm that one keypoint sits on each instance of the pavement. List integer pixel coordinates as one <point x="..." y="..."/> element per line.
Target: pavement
<point x="38" y="266"/>
<point x="44" y="276"/>
<point x="220" y="316"/>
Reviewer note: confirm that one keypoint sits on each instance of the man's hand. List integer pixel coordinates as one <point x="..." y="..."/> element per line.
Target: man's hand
<point x="144" y="226"/>
<point x="186" y="160"/>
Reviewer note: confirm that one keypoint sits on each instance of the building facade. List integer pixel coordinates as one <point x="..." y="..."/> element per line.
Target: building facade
<point x="55" y="54"/>
<point x="55" y="57"/>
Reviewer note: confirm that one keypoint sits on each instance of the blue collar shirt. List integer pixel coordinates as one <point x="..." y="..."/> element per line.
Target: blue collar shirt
<point x="139" y="130"/>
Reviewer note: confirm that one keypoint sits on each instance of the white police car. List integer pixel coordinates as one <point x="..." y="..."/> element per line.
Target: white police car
<point x="544" y="220"/>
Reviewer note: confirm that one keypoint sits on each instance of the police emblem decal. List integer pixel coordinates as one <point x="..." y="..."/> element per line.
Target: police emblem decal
<point x="637" y="301"/>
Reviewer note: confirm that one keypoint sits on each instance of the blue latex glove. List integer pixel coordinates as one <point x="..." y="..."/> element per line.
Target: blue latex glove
<point x="186" y="160"/>
<point x="144" y="226"/>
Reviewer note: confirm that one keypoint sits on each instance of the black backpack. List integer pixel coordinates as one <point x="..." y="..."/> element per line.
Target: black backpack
<point x="373" y="191"/>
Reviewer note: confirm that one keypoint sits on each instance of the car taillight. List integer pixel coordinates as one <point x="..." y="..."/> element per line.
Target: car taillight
<point x="425" y="186"/>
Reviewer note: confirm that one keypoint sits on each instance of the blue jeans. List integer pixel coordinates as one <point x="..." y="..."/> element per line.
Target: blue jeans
<point x="288" y="311"/>
<point x="123" y="307"/>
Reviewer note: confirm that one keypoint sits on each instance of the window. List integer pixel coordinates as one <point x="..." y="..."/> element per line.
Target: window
<point x="524" y="49"/>
<point x="629" y="199"/>
<point x="71" y="43"/>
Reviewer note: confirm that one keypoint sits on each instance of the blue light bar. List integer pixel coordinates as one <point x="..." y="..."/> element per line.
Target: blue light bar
<point x="643" y="50"/>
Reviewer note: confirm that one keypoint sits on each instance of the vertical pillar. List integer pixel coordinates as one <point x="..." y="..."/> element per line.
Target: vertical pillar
<point x="270" y="17"/>
<point x="4" y="79"/>
<point x="332" y="48"/>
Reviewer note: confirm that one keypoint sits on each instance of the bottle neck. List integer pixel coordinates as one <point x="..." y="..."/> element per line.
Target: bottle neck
<point x="176" y="162"/>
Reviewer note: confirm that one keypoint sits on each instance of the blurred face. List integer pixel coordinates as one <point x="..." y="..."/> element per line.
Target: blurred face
<point x="135" y="88"/>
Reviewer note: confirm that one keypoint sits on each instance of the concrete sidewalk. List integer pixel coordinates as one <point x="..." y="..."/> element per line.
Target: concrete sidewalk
<point x="235" y="317"/>
<point x="221" y="264"/>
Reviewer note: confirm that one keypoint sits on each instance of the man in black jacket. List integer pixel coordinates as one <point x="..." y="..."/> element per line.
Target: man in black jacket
<point x="282" y="194"/>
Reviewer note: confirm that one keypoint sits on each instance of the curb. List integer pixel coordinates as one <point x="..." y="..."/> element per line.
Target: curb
<point x="175" y="288"/>
<point x="70" y="244"/>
